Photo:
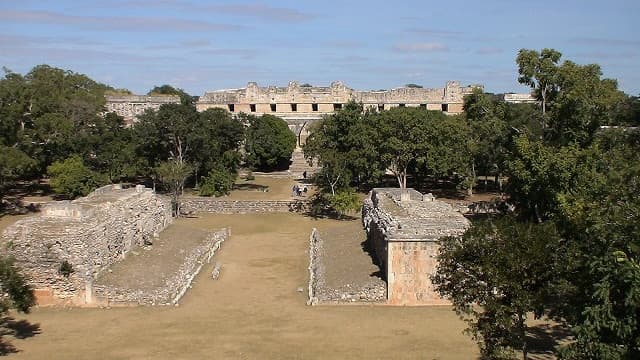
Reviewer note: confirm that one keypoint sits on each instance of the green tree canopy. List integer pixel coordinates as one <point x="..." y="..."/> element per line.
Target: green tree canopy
<point x="72" y="178"/>
<point x="495" y="274"/>
<point x="269" y="142"/>
<point x="185" y="99"/>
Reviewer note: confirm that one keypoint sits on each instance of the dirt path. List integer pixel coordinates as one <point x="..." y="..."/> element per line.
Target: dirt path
<point x="253" y="311"/>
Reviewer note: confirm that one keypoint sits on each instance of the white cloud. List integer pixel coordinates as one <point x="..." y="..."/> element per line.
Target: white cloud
<point x="421" y="47"/>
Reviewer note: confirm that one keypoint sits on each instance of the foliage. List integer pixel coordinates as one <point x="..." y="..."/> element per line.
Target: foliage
<point x="345" y="146"/>
<point x="173" y="174"/>
<point x="65" y="269"/>
<point x="494" y="274"/>
<point x="539" y="174"/>
<point x="15" y="291"/>
<point x="583" y="103"/>
<point x="72" y="178"/>
<point x="269" y="142"/>
<point x="346" y="201"/>
<point x="14" y="164"/>
<point x="185" y="99"/>
<point x="538" y="70"/>
<point x="601" y="219"/>
<point x="218" y="182"/>
<point x="413" y="86"/>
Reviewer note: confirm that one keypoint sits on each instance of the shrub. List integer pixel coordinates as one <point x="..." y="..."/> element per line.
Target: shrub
<point x="218" y="182"/>
<point x="346" y="201"/>
<point x="72" y="178"/>
<point x="65" y="269"/>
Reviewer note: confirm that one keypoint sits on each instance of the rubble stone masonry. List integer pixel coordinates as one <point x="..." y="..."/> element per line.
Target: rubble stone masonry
<point x="89" y="233"/>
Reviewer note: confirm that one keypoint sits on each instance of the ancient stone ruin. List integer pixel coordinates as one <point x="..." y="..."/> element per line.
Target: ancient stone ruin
<point x="130" y="106"/>
<point x="405" y="227"/>
<point x="68" y="244"/>
<point x="299" y="105"/>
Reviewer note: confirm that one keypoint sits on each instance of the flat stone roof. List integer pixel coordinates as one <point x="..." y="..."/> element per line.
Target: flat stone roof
<point x="420" y="218"/>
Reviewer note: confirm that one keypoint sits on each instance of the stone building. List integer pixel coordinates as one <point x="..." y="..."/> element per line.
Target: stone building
<point x="404" y="229"/>
<point x="298" y="105"/>
<point x="89" y="234"/>
<point x="130" y="106"/>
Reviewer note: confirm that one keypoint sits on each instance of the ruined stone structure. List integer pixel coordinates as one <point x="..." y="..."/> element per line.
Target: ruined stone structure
<point x="130" y="106"/>
<point x="298" y="105"/>
<point x="520" y="98"/>
<point x="90" y="234"/>
<point x="405" y="229"/>
<point x="222" y="206"/>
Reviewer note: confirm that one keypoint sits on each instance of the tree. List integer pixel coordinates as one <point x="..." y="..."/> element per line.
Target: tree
<point x="539" y="174"/>
<point x="14" y="164"/>
<point x="218" y="182"/>
<point x="413" y="86"/>
<point x="185" y="99"/>
<point x="269" y="142"/>
<point x="72" y="178"/>
<point x="16" y="293"/>
<point x="538" y="70"/>
<point x="403" y="130"/>
<point x="490" y="132"/>
<point x="583" y="103"/>
<point x="495" y="274"/>
<point x="173" y="174"/>
<point x="346" y="147"/>
<point x="600" y="217"/>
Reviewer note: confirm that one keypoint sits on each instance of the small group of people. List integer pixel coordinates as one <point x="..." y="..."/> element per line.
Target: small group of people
<point x="298" y="190"/>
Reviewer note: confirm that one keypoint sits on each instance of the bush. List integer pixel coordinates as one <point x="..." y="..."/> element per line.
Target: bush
<point x="250" y="176"/>
<point x="65" y="269"/>
<point x="72" y="178"/>
<point x="218" y="182"/>
<point x="346" y="201"/>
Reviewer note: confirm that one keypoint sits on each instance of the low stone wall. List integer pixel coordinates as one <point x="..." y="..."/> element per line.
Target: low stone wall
<point x="89" y="234"/>
<point x="220" y="206"/>
<point x="174" y="288"/>
<point x="315" y="246"/>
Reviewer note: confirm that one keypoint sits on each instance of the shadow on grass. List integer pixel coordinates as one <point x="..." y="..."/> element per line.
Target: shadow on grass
<point x="250" y="187"/>
<point x="542" y="339"/>
<point x="20" y="329"/>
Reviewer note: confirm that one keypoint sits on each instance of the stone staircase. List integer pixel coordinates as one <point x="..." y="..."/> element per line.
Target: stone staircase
<point x="299" y="164"/>
<point x="297" y="167"/>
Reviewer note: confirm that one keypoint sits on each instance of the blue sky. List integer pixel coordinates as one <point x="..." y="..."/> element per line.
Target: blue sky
<point x="205" y="45"/>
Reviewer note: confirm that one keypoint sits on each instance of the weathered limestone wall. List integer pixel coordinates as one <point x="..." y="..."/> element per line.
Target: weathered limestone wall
<point x="130" y="106"/>
<point x="90" y="233"/>
<point x="174" y="288"/>
<point x="405" y="229"/>
<point x="214" y="205"/>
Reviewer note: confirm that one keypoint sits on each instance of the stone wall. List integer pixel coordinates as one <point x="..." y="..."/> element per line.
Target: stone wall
<point x="220" y="206"/>
<point x="130" y="106"/>
<point x="300" y="106"/>
<point x="405" y="228"/>
<point x="315" y="271"/>
<point x="174" y="288"/>
<point x="89" y="233"/>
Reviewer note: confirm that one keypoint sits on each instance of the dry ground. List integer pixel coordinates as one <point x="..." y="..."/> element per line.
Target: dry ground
<point x="253" y="311"/>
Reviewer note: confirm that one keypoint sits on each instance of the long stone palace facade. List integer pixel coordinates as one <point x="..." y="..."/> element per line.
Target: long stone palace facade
<point x="299" y="104"/>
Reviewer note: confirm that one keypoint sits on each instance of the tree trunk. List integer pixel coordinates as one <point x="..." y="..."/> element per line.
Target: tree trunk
<point x="523" y="335"/>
